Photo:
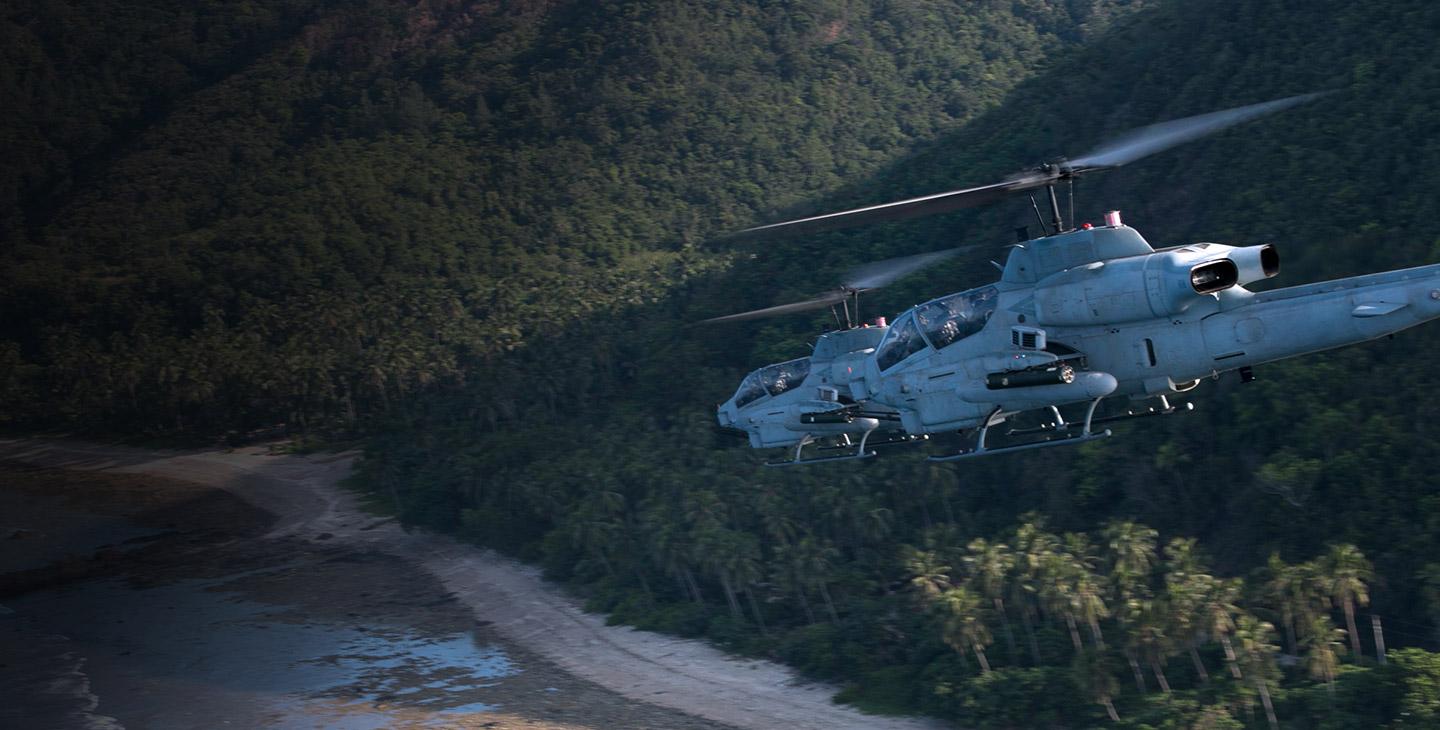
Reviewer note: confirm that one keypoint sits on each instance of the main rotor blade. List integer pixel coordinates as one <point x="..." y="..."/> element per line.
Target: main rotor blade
<point x="880" y="273"/>
<point x="828" y="299"/>
<point x="1126" y="148"/>
<point x="1145" y="141"/>
<point x="861" y="278"/>
<point x="940" y="203"/>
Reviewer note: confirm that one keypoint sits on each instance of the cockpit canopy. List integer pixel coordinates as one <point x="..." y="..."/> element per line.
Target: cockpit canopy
<point x="772" y="380"/>
<point x="939" y="324"/>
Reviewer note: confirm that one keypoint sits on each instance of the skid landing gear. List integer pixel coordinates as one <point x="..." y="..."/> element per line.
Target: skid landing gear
<point x="1087" y="434"/>
<point x="1060" y="424"/>
<point x="846" y="443"/>
<point x="1061" y="431"/>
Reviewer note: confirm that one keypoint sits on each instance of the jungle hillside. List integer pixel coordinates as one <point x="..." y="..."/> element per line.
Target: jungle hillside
<point x="477" y="237"/>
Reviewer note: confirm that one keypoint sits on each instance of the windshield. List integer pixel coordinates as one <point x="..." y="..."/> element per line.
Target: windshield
<point x="947" y="321"/>
<point x="779" y="378"/>
<point x="772" y="380"/>
<point x="902" y="341"/>
<point x="749" y="391"/>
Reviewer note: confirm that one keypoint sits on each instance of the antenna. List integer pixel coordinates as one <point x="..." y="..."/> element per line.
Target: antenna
<point x="1040" y="218"/>
<point x="1071" y="188"/>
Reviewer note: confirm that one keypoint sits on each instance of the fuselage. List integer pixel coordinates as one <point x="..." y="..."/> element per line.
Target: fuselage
<point x="1080" y="316"/>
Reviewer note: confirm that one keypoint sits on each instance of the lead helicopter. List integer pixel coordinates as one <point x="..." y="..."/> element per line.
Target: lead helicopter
<point x="1078" y="315"/>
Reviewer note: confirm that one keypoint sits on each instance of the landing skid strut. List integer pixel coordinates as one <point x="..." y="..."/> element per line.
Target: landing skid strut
<point x="860" y="452"/>
<point x="1060" y="425"/>
<point x="980" y="450"/>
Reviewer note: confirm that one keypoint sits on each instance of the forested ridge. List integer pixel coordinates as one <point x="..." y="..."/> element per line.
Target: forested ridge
<point x="477" y="235"/>
<point x="441" y="182"/>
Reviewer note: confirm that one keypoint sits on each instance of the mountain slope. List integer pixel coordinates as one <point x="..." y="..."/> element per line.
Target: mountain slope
<point x="669" y="526"/>
<point x="326" y="208"/>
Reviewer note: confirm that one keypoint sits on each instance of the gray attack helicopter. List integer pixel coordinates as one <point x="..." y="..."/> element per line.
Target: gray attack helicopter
<point x="1078" y="316"/>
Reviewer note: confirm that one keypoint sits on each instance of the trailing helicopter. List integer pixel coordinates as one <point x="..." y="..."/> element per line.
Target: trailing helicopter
<point x="1079" y="315"/>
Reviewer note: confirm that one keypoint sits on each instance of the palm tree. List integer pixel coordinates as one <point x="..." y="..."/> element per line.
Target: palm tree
<point x="943" y="482"/>
<point x="1286" y="593"/>
<point x="813" y="563"/>
<point x="590" y="528"/>
<point x="1131" y="551"/>
<point x="1429" y="577"/>
<point x="1148" y="619"/>
<point x="546" y="495"/>
<point x="947" y="539"/>
<point x="376" y="374"/>
<point x="964" y="624"/>
<point x="670" y="544"/>
<point x="1321" y="658"/>
<point x="1217" y="616"/>
<point x="713" y="547"/>
<point x="630" y="550"/>
<point x="1256" y="656"/>
<point x="381" y="463"/>
<point x="931" y="578"/>
<point x="787" y="573"/>
<point x="1086" y="598"/>
<point x="775" y="515"/>
<point x="1032" y="544"/>
<point x="1311" y="596"/>
<point x="1186" y="588"/>
<point x="1182" y="558"/>
<point x="1132" y="554"/>
<point x="1345" y="574"/>
<point x="873" y="524"/>
<point x="1057" y="590"/>
<point x="737" y="563"/>
<point x="702" y="509"/>
<point x="746" y="567"/>
<point x="818" y="563"/>
<point x="1094" y="677"/>
<point x="990" y="564"/>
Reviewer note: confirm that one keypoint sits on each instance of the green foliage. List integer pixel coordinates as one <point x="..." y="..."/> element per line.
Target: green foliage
<point x="886" y="691"/>
<point x="1169" y="712"/>
<point x="1008" y="697"/>
<point x="823" y="650"/>
<point x="237" y="220"/>
<point x="1412" y="683"/>
<point x="685" y="619"/>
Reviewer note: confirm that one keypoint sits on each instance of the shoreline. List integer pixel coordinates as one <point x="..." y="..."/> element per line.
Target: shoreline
<point x="509" y="597"/>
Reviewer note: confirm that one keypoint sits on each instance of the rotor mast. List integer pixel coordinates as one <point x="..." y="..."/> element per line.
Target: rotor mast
<point x="1055" y="209"/>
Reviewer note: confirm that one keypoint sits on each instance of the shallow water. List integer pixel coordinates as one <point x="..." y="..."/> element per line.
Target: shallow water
<point x="194" y="655"/>
<point x="36" y="529"/>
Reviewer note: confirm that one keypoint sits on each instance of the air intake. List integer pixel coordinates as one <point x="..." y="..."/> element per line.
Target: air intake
<point x="1027" y="338"/>
<point x="1213" y="276"/>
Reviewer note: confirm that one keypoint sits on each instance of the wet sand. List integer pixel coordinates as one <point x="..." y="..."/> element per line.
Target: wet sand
<point x="141" y="602"/>
<point x="301" y="611"/>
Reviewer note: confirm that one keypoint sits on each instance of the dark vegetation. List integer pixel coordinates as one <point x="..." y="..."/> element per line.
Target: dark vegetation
<point x="476" y="234"/>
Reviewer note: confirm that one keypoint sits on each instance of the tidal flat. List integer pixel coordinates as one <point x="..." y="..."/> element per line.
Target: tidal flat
<point x="132" y="601"/>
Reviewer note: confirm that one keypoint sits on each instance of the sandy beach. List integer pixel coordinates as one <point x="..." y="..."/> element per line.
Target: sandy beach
<point x="391" y="628"/>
